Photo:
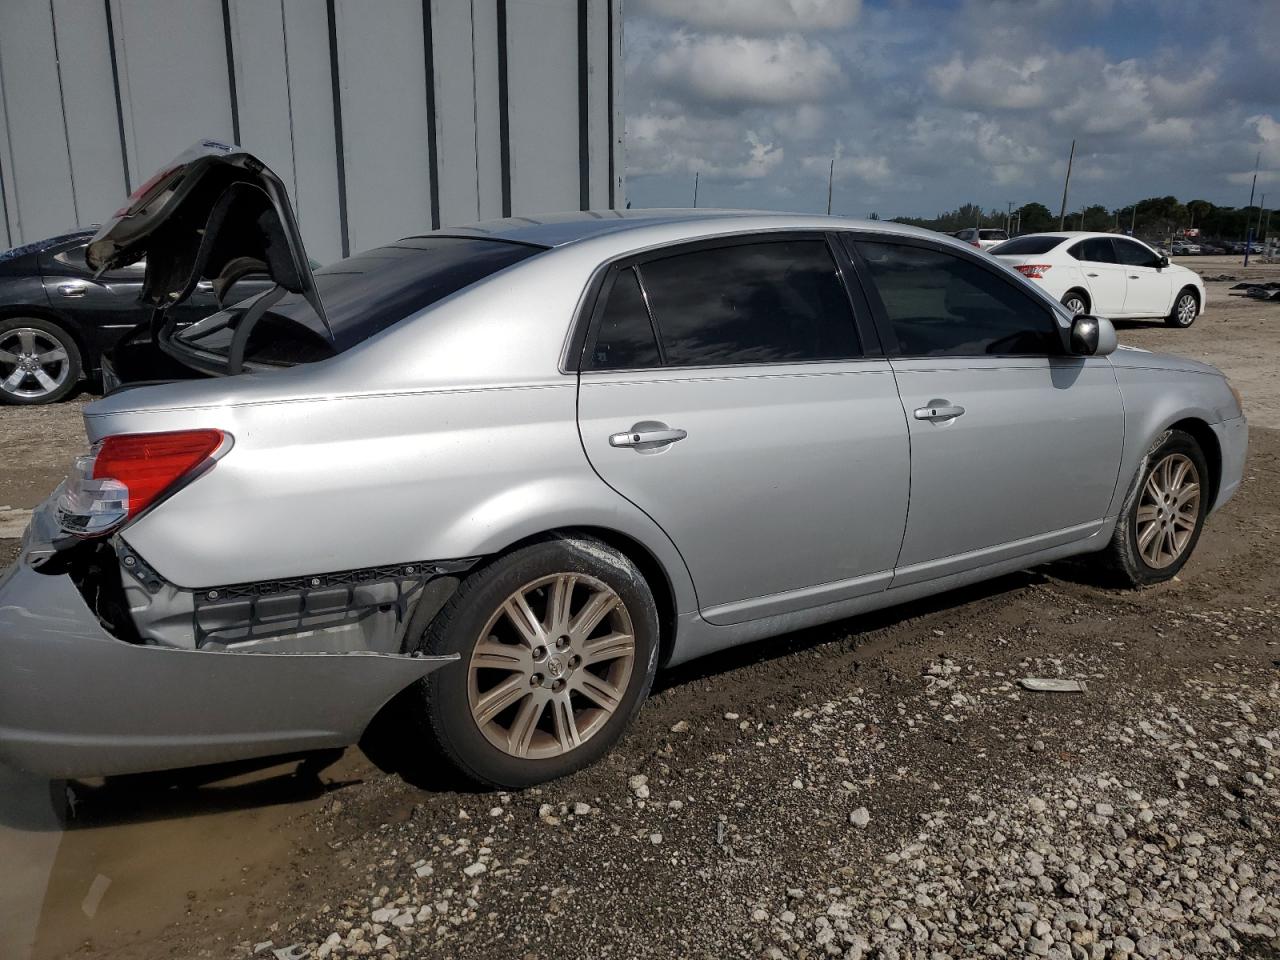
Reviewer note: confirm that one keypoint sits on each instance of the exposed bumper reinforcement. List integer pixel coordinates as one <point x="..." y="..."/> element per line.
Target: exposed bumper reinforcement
<point x="75" y="701"/>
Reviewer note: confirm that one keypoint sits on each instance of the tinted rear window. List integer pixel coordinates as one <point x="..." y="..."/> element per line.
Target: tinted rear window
<point x="1025" y="246"/>
<point x="768" y="302"/>
<point x="362" y="296"/>
<point x="993" y="235"/>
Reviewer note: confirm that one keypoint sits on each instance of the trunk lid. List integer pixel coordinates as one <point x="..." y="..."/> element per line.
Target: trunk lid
<point x="217" y="214"/>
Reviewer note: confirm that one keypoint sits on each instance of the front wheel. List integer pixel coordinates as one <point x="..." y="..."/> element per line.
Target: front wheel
<point x="558" y="645"/>
<point x="1163" y="514"/>
<point x="1185" y="309"/>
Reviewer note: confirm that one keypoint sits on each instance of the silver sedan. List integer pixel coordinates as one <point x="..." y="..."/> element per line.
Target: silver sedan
<point x="489" y="480"/>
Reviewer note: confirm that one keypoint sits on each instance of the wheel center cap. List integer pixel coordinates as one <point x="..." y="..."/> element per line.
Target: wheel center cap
<point x="555" y="667"/>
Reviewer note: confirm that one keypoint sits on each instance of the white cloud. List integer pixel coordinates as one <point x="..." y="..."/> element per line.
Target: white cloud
<point x="758" y="16"/>
<point x="993" y="82"/>
<point x="658" y="144"/>
<point x="744" y="71"/>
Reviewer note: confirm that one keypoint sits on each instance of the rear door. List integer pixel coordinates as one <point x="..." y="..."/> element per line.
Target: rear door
<point x="1015" y="446"/>
<point x="1150" y="291"/>
<point x="1107" y="279"/>
<point x="727" y="390"/>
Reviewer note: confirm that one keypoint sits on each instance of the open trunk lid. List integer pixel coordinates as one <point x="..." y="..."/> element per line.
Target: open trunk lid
<point x="216" y="214"/>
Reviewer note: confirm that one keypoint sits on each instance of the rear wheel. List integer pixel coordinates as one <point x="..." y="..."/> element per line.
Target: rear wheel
<point x="558" y="645"/>
<point x="1186" y="306"/>
<point x="39" y="361"/>
<point x="1076" y="302"/>
<point x="1163" y="514"/>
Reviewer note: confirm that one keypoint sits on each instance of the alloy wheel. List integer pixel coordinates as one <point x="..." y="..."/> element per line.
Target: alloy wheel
<point x="33" y="363"/>
<point x="1168" y="511"/>
<point x="1186" y="309"/>
<point x="551" y="666"/>
<point x="1075" y="305"/>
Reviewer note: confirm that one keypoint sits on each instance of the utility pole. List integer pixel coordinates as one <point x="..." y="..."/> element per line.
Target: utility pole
<point x="1082" y="216"/>
<point x="1248" y="237"/>
<point x="695" y="187"/>
<point x="1062" y="211"/>
<point x="831" y="176"/>
<point x="1008" y="217"/>
<point x="1133" y="221"/>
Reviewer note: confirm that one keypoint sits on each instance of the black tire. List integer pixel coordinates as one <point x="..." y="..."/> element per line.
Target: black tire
<point x="440" y="706"/>
<point x="1182" y="316"/>
<point x="1123" y="556"/>
<point x="64" y="373"/>
<point x="1076" y="295"/>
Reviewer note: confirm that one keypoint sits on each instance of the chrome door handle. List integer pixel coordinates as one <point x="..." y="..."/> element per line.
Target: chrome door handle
<point x="939" y="410"/>
<point x="74" y="289"/>
<point x="637" y="437"/>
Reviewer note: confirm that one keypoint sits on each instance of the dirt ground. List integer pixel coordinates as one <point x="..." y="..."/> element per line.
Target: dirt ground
<point x="877" y="787"/>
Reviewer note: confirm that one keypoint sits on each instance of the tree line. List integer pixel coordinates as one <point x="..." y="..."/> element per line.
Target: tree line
<point x="1155" y="216"/>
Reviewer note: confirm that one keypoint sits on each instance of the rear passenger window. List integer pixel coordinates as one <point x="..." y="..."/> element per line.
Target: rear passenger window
<point x="769" y="302"/>
<point x="625" y="335"/>
<point x="1094" y="250"/>
<point x="942" y="305"/>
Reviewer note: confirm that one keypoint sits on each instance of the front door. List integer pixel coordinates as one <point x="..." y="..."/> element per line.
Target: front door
<point x="725" y="392"/>
<point x="1149" y="292"/>
<point x="1015" y="446"/>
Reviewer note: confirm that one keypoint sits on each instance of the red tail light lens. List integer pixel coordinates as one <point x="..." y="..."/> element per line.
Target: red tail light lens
<point x="1033" y="271"/>
<point x="148" y="464"/>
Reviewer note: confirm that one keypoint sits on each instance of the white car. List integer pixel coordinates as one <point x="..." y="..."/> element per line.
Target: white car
<point x="1107" y="275"/>
<point x="983" y="239"/>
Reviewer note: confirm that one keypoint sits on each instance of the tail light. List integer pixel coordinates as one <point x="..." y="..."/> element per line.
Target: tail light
<point x="126" y="474"/>
<point x="1033" y="271"/>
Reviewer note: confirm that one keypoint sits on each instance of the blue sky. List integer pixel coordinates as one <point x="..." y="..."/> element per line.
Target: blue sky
<point x="927" y="104"/>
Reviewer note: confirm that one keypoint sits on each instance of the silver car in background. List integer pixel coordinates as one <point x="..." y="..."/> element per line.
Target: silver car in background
<point x="491" y="479"/>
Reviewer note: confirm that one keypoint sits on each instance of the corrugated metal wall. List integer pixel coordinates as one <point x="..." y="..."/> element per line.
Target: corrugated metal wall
<point x="384" y="117"/>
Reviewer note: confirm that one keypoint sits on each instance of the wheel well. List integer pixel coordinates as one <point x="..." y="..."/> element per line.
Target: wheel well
<point x="651" y="569"/>
<point x="88" y="357"/>
<point x="1083" y="293"/>
<point x="1194" y="292"/>
<point x="1208" y="441"/>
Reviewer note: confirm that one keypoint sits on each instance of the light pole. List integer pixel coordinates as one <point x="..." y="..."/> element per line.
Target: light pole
<point x="1062" y="211"/>
<point x="696" y="176"/>
<point x="1248" y="236"/>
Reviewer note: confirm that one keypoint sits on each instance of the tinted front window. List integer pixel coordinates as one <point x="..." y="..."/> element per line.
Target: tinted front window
<point x="1026" y="246"/>
<point x="362" y="295"/>
<point x="624" y="338"/>
<point x="1095" y="250"/>
<point x="1133" y="254"/>
<point x="993" y="235"/>
<point x="768" y="302"/>
<point x="940" y="304"/>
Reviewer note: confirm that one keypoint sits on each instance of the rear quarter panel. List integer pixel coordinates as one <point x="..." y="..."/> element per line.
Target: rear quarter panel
<point x="313" y="486"/>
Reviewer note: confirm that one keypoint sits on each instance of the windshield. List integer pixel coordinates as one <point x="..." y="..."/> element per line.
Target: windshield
<point x="362" y="296"/>
<point x="1027" y="245"/>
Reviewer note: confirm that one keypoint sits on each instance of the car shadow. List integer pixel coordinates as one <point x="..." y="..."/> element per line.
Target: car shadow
<point x="170" y="794"/>
<point x="849" y="629"/>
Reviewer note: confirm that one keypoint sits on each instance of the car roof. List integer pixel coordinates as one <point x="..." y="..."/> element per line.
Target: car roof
<point x="560" y="229"/>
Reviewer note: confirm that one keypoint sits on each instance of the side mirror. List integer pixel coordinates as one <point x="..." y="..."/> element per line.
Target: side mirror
<point x="1162" y="262"/>
<point x="1092" y="336"/>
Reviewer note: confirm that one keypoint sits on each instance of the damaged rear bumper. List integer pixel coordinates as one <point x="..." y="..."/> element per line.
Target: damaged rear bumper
<point x="76" y="701"/>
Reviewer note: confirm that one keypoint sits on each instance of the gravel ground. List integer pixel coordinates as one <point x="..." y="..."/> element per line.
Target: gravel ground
<point x="881" y="787"/>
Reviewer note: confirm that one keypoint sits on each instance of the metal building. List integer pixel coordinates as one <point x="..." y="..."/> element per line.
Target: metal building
<point x="384" y="117"/>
